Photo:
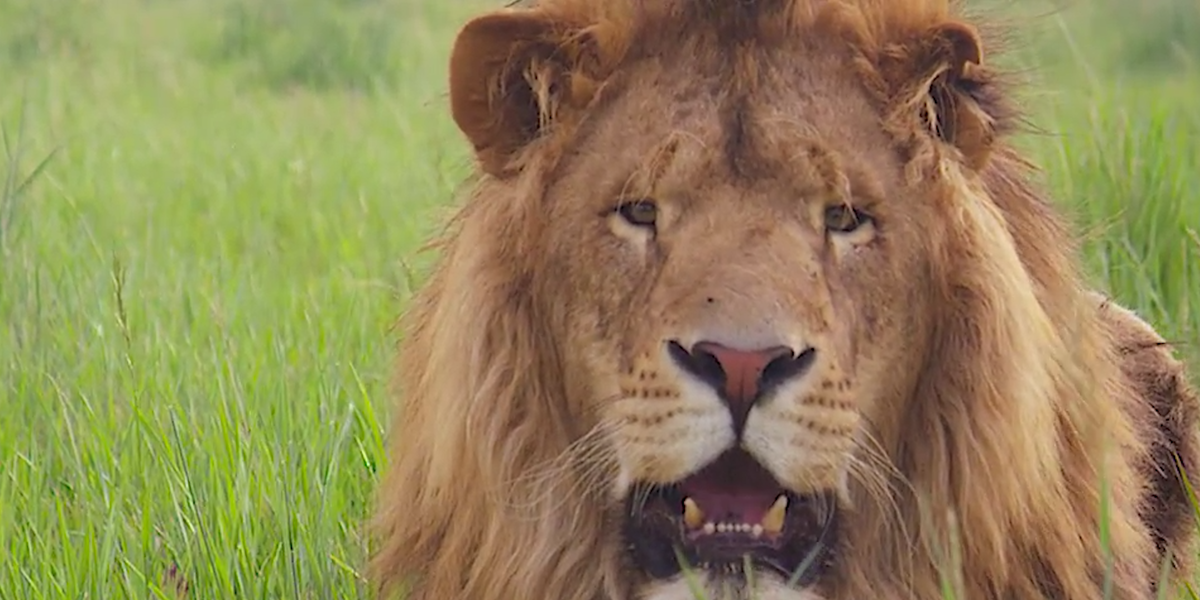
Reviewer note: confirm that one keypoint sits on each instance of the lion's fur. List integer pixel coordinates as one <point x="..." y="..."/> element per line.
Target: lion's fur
<point x="1034" y="391"/>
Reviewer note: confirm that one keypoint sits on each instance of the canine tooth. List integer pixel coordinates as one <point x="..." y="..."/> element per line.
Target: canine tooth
<point x="721" y="527"/>
<point x="710" y="528"/>
<point x="772" y="522"/>
<point x="692" y="515"/>
<point x="756" y="531"/>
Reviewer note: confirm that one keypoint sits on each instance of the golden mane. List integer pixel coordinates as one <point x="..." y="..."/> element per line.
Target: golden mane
<point x="490" y="490"/>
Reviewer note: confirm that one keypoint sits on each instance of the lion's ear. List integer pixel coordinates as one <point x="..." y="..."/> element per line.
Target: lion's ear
<point x="512" y="72"/>
<point x="954" y="92"/>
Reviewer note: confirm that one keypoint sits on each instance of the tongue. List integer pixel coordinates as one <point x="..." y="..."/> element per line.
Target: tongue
<point x="733" y="489"/>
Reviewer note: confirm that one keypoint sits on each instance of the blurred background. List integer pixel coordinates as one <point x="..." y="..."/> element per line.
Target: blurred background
<point x="210" y="212"/>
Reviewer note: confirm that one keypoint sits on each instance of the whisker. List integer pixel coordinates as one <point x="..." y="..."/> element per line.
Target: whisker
<point x="577" y="471"/>
<point x="884" y="484"/>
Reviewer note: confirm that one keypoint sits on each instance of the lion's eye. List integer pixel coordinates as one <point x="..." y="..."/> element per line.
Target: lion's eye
<point x="641" y="213"/>
<point x="845" y="219"/>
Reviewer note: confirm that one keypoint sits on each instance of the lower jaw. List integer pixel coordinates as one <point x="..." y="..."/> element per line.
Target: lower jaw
<point x="813" y="566"/>
<point x="731" y="578"/>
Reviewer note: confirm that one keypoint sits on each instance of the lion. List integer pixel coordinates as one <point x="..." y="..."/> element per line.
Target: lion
<point x="755" y="299"/>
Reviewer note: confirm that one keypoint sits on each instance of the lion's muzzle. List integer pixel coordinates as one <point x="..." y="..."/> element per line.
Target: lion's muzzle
<point x="704" y="464"/>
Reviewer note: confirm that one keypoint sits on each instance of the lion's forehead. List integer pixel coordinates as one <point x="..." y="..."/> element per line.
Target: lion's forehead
<point x="674" y="122"/>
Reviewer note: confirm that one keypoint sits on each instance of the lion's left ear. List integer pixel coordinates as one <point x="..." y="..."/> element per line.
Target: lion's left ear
<point x="953" y="90"/>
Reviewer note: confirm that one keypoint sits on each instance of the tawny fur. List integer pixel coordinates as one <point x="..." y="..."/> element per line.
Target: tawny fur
<point x="1031" y="401"/>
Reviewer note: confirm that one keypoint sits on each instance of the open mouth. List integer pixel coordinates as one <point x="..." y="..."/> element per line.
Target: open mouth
<point x="730" y="513"/>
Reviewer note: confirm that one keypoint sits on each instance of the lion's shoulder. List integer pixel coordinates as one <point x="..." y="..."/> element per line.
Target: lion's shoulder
<point x="1164" y="407"/>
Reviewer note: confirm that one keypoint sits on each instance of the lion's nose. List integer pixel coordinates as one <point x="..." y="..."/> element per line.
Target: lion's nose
<point x="741" y="377"/>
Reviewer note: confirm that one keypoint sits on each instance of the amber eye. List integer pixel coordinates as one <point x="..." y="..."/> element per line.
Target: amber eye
<point x="641" y="213"/>
<point x="845" y="219"/>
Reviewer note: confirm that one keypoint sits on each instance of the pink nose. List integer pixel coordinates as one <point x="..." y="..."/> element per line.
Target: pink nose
<point x="742" y="368"/>
<point x="741" y="377"/>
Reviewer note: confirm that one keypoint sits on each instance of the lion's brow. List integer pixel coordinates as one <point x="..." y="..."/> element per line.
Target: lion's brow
<point x="643" y="181"/>
<point x="753" y="152"/>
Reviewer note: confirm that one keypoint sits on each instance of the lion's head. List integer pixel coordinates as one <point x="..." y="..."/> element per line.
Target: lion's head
<point x="756" y="286"/>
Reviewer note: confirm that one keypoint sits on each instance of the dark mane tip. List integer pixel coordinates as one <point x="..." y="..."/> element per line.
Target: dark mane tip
<point x="736" y="21"/>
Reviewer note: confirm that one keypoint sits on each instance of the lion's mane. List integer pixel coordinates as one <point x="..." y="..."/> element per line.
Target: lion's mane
<point x="1039" y="398"/>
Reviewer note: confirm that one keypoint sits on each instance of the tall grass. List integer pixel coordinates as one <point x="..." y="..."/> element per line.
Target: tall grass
<point x="208" y="217"/>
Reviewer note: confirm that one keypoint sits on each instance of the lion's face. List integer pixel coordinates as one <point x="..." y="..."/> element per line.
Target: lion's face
<point x="741" y="289"/>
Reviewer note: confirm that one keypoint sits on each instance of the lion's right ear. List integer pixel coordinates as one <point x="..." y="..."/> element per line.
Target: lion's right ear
<point x="512" y="72"/>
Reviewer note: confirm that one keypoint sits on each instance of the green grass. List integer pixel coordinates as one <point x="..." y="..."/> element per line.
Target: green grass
<point x="208" y="223"/>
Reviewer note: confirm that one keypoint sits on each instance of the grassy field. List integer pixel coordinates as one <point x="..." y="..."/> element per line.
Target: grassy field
<point x="208" y="222"/>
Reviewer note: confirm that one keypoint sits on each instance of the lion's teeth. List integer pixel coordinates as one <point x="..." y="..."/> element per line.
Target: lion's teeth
<point x="772" y="523"/>
<point x="692" y="516"/>
<point x="710" y="528"/>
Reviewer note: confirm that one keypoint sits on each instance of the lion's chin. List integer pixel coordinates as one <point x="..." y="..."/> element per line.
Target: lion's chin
<point x="726" y="517"/>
